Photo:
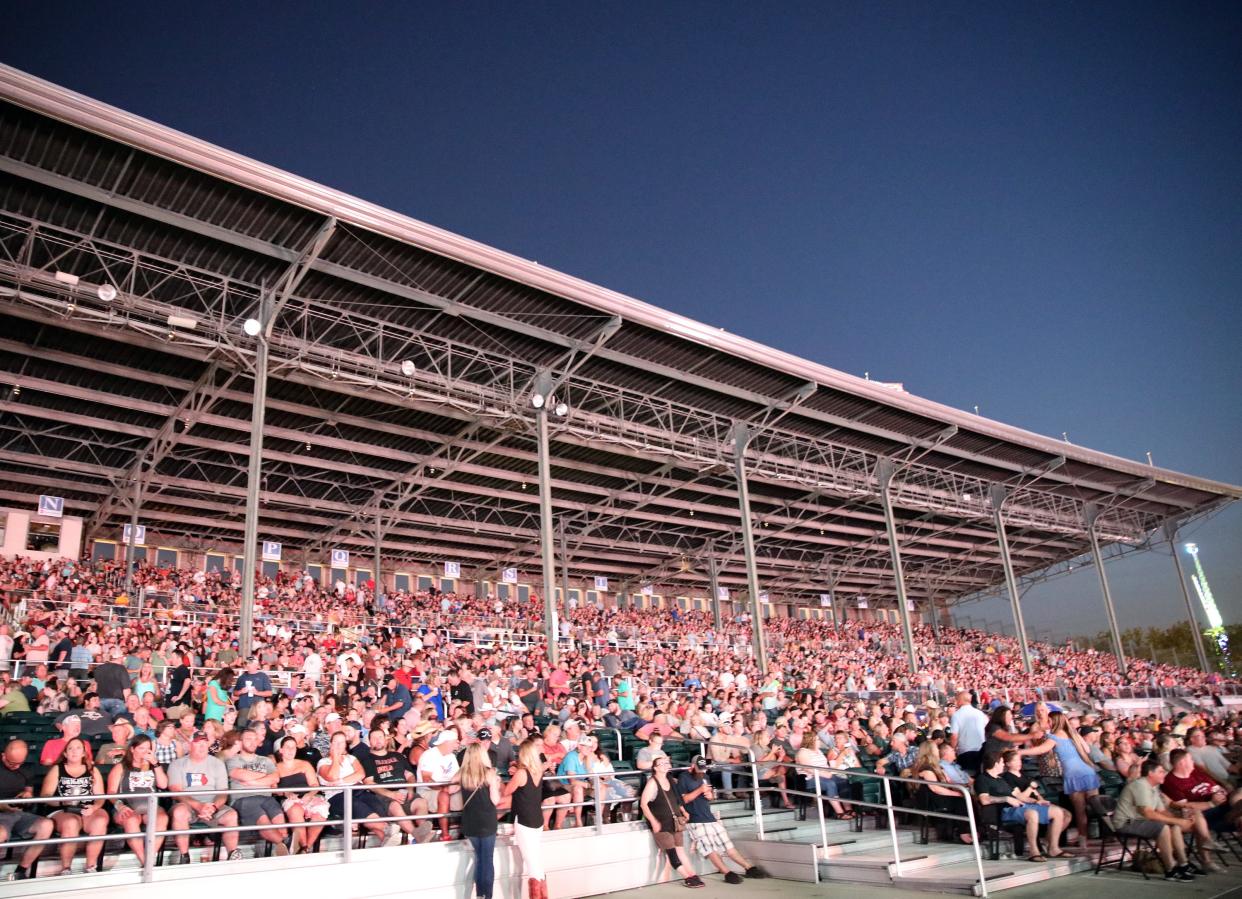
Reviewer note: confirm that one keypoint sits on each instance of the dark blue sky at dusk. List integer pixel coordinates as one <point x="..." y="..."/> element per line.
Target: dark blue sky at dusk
<point x="1036" y="208"/>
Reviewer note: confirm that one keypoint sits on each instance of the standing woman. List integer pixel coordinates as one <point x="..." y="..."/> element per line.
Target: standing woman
<point x="138" y="773"/>
<point x="1079" y="777"/>
<point x="480" y="789"/>
<point x="525" y="793"/>
<point x="661" y="805"/>
<point x="217" y="701"/>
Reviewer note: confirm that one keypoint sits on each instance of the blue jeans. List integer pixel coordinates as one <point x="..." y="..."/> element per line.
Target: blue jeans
<point x="113" y="707"/>
<point x="484" y="867"/>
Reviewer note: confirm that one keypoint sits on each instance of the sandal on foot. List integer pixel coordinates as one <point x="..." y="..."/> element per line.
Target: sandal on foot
<point x="1036" y="858"/>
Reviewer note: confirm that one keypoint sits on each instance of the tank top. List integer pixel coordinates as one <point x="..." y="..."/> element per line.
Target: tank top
<point x="527" y="800"/>
<point x="69" y="786"/>
<point x="664" y="806"/>
<point x="478" y="813"/>
<point x="296" y="779"/>
<point x="135" y="781"/>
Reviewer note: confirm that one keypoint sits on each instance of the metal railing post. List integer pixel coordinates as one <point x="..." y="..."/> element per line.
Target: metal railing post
<point x="892" y="826"/>
<point x="819" y="801"/>
<point x="974" y="838"/>
<point x="598" y="798"/>
<point x="148" y="839"/>
<point x="754" y="773"/>
<point x="348" y="820"/>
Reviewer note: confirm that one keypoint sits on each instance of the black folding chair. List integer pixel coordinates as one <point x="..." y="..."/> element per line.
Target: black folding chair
<point x="1103" y="807"/>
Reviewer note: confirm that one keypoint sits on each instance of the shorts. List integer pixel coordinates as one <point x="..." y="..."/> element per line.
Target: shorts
<point x="1141" y="827"/>
<point x="1011" y="815"/>
<point x="432" y="797"/>
<point x="20" y="825"/>
<point x="709" y="837"/>
<point x="251" y="808"/>
<point x="312" y="806"/>
<point x="216" y="819"/>
<point x="365" y="804"/>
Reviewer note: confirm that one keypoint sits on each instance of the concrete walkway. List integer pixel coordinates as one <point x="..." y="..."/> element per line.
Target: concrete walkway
<point x="1107" y="885"/>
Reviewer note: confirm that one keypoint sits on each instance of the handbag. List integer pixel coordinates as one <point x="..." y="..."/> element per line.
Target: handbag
<point x="665" y="839"/>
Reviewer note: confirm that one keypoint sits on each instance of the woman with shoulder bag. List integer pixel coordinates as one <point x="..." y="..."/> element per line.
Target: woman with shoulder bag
<point x="480" y="789"/>
<point x="661" y="805"/>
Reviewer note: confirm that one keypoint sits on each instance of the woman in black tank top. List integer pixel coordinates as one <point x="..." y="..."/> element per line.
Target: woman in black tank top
<point x="74" y="777"/>
<point x="480" y="790"/>
<point x="138" y="773"/>
<point x="525" y="791"/>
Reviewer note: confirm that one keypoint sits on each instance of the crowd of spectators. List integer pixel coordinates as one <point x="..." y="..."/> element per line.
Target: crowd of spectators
<point x="399" y="692"/>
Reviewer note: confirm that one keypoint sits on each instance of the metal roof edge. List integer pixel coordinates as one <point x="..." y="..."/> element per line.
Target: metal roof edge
<point x="108" y="121"/>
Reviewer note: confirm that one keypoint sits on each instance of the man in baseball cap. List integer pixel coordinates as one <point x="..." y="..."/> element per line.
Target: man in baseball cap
<point x="710" y="839"/>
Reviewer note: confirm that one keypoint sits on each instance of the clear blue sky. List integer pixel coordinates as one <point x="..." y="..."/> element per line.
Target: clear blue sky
<point x="1035" y="208"/>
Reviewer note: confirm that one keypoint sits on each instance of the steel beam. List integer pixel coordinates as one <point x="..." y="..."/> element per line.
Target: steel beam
<point x="999" y="495"/>
<point x="740" y="440"/>
<point x="1170" y="530"/>
<point x="135" y="505"/>
<point x="1092" y="513"/>
<point x="713" y="583"/>
<point x="551" y="631"/>
<point x="254" y="479"/>
<point x="884" y="474"/>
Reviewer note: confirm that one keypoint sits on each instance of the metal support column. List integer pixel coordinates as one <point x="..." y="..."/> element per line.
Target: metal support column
<point x="885" y="471"/>
<point x="999" y="495"/>
<point x="564" y="569"/>
<point x="551" y="630"/>
<point x="135" y="507"/>
<point x="254" y="476"/>
<point x="1196" y="633"/>
<point x="379" y="540"/>
<point x="1091" y="513"/>
<point x="741" y="437"/>
<point x="935" y="616"/>
<point x="713" y="584"/>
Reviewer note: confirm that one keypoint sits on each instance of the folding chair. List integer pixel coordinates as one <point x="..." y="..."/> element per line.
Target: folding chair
<point x="1103" y="808"/>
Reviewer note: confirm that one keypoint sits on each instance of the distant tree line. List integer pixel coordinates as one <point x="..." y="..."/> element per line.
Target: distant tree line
<point x="1173" y="645"/>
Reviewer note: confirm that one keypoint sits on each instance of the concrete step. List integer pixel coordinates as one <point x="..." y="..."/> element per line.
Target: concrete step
<point x="962" y="877"/>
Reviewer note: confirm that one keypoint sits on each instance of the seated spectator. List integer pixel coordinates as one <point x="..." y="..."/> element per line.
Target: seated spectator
<point x="573" y="766"/>
<point x="929" y="766"/>
<point x="900" y="758"/>
<point x="618" y="795"/>
<point x="654" y="749"/>
<point x="70" y="729"/>
<point x="439" y="765"/>
<point x="248" y="770"/>
<point x="137" y="772"/>
<point x="340" y="769"/>
<point x="93" y="719"/>
<point x="121" y="731"/>
<point x="1211" y="758"/>
<point x="391" y="773"/>
<point x="1019" y="807"/>
<point x="1199" y="797"/>
<point x="73" y="776"/>
<point x="18" y="822"/>
<point x="1143" y="811"/>
<point x="293" y="771"/>
<point x="202" y="781"/>
<point x="813" y="765"/>
<point x="168" y="746"/>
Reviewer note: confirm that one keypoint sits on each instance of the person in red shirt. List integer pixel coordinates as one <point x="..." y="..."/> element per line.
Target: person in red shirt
<point x="1195" y="793"/>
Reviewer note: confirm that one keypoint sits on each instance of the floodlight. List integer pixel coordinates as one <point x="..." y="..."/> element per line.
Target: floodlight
<point x="106" y="292"/>
<point x="67" y="278"/>
<point x="537" y="400"/>
<point x="408" y="368"/>
<point x="1192" y="548"/>
<point x="182" y="321"/>
<point x="252" y="326"/>
<point x="561" y="409"/>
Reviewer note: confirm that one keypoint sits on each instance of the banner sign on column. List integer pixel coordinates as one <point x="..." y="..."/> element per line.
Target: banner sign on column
<point x="601" y="583"/>
<point x="763" y="597"/>
<point x="909" y="605"/>
<point x="647" y="590"/>
<point x="52" y="506"/>
<point x="862" y="602"/>
<point x="271" y="551"/>
<point x="140" y="535"/>
<point x="452" y="569"/>
<point x="340" y="558"/>
<point x="722" y="594"/>
<point x="825" y="600"/>
<point x="509" y="576"/>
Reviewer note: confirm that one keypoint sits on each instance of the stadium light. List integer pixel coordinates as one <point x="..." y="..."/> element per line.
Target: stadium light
<point x="1192" y="548"/>
<point x="537" y="400"/>
<point x="106" y="292"/>
<point x="561" y="409"/>
<point x="252" y="327"/>
<point x="408" y="368"/>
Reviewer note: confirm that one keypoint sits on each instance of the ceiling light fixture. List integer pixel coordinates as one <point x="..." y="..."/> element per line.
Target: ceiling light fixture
<point x="252" y="327"/>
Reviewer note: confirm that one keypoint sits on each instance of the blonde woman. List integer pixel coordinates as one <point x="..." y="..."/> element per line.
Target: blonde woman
<point x="1080" y="779"/>
<point x="524" y="792"/>
<point x="480" y="789"/>
<point x="941" y="798"/>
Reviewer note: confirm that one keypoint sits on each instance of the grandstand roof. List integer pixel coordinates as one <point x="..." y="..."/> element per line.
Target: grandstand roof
<point x="446" y="457"/>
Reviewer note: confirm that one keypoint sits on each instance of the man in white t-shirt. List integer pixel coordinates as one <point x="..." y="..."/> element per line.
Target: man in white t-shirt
<point x="438" y="765"/>
<point x="967" y="724"/>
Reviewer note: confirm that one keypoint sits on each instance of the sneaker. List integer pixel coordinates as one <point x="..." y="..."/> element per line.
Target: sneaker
<point x="733" y="877"/>
<point x="1179" y="874"/>
<point x="279" y="849"/>
<point x="236" y="855"/>
<point x="393" y="836"/>
<point x="754" y="872"/>
<point x="184" y="859"/>
<point x="1212" y="866"/>
<point x="694" y="882"/>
